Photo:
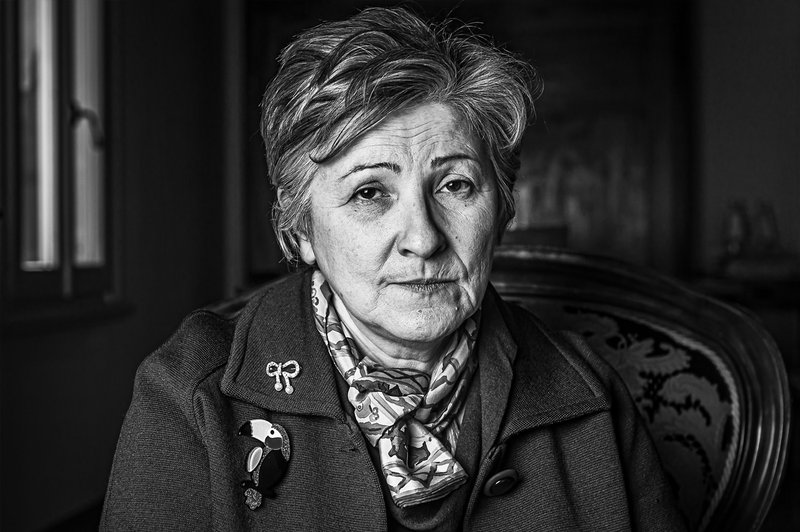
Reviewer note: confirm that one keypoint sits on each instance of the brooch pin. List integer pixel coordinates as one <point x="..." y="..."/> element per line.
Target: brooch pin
<point x="266" y="463"/>
<point x="287" y="370"/>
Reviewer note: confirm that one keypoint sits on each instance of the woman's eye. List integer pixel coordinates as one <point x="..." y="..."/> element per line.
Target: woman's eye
<point x="366" y="193"/>
<point x="458" y="186"/>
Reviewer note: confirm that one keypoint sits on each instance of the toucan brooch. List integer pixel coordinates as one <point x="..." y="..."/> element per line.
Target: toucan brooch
<point x="266" y="463"/>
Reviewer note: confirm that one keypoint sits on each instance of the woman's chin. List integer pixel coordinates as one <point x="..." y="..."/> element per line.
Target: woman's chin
<point x="424" y="328"/>
<point x="424" y="318"/>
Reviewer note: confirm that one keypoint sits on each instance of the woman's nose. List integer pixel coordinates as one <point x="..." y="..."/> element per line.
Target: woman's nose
<point x="419" y="233"/>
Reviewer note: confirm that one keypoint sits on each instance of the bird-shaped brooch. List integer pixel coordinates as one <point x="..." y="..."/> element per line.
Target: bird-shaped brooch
<point x="266" y="463"/>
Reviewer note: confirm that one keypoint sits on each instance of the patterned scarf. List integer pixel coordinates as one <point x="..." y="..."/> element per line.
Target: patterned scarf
<point x="411" y="418"/>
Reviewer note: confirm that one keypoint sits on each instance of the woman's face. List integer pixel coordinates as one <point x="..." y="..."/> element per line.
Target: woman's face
<point x="403" y="227"/>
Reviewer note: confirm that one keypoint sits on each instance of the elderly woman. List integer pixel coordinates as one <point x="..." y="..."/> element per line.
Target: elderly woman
<point x="386" y="385"/>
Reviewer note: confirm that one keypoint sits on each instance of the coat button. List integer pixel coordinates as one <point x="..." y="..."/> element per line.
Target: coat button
<point x="500" y="483"/>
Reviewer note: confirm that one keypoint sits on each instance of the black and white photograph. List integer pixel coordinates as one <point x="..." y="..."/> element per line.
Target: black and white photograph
<point x="394" y="266"/>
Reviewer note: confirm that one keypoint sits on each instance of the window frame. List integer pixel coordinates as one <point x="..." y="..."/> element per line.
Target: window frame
<point x="68" y="291"/>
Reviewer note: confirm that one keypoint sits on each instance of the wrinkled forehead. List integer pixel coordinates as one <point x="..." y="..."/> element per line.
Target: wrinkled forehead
<point x="416" y="135"/>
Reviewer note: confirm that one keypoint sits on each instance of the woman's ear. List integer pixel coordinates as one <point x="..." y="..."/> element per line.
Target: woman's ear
<point x="303" y="242"/>
<point x="306" y="249"/>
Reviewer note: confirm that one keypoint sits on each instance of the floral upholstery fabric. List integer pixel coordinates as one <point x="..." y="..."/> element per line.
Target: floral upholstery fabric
<point x="682" y="389"/>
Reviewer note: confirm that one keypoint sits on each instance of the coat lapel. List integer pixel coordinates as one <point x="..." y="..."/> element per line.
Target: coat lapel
<point x="529" y="377"/>
<point x="277" y="326"/>
<point x="496" y="351"/>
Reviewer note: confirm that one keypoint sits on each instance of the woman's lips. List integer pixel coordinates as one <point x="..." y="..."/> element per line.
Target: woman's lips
<point x="424" y="285"/>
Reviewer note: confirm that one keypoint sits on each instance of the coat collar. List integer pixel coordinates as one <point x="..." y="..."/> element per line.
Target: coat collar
<point x="552" y="382"/>
<point x="497" y="351"/>
<point x="527" y="377"/>
<point x="277" y="325"/>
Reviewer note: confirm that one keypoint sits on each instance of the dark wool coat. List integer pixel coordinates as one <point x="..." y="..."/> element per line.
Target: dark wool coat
<point x="550" y="409"/>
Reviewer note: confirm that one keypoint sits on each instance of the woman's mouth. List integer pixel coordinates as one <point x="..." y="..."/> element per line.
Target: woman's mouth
<point x="425" y="285"/>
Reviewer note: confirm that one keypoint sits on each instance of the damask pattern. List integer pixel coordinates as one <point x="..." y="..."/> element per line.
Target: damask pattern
<point x="683" y="391"/>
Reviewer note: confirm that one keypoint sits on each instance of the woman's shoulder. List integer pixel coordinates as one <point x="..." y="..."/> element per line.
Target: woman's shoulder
<point x="201" y="345"/>
<point x="568" y="349"/>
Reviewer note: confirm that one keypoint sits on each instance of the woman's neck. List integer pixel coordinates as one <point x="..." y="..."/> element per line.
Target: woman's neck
<point x="392" y="355"/>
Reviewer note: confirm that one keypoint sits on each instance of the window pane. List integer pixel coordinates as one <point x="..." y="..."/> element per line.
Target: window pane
<point x="88" y="134"/>
<point x="38" y="129"/>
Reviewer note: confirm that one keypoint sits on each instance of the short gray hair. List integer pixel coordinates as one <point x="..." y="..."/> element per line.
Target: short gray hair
<point x="338" y="80"/>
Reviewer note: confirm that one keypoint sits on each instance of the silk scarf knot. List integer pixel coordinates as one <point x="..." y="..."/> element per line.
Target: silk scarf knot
<point x="413" y="419"/>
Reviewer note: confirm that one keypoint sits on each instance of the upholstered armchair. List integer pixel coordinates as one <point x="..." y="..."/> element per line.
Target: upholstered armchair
<point x="707" y="378"/>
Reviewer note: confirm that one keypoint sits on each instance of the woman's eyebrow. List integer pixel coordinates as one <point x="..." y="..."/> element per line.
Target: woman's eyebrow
<point x="439" y="161"/>
<point x="394" y="167"/>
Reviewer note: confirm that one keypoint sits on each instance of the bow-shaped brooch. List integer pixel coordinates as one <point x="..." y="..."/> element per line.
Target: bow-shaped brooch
<point x="286" y="370"/>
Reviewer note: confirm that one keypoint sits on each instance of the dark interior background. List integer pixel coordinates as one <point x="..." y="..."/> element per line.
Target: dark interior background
<point x="718" y="98"/>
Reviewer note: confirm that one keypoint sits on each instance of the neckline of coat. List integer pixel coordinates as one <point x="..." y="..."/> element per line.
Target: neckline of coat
<point x="537" y="381"/>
